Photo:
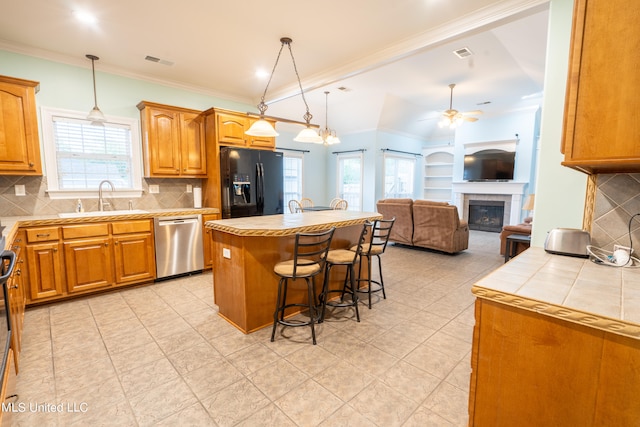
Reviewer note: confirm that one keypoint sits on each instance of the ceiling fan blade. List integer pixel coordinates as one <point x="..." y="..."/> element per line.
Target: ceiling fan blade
<point x="469" y="119"/>
<point x="473" y="112"/>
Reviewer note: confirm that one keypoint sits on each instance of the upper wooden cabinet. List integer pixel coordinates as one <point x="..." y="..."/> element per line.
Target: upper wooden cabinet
<point x="601" y="128"/>
<point x="231" y="128"/>
<point x="19" y="142"/>
<point x="174" y="142"/>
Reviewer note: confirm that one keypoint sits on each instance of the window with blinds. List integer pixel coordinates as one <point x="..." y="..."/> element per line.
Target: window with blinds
<point x="87" y="154"/>
<point x="80" y="154"/>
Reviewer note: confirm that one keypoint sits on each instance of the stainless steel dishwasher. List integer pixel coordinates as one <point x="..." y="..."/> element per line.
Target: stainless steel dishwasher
<point x="178" y="245"/>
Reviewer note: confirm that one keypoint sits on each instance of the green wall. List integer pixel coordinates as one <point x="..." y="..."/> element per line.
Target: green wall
<point x="560" y="191"/>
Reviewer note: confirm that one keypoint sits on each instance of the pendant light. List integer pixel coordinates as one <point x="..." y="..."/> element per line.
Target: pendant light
<point x="95" y="115"/>
<point x="264" y="128"/>
<point x="328" y="136"/>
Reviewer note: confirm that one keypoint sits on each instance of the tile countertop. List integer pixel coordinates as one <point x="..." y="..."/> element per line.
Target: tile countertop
<point x="288" y="224"/>
<point x="11" y="223"/>
<point x="572" y="289"/>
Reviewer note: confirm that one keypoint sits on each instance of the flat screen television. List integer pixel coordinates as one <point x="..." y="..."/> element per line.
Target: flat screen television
<point x="489" y="165"/>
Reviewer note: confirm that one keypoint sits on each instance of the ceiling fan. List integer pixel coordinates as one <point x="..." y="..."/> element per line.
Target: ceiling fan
<point x="452" y="118"/>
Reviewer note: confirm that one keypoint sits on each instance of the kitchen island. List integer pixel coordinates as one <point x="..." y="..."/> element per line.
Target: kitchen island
<point x="556" y="342"/>
<point x="247" y="249"/>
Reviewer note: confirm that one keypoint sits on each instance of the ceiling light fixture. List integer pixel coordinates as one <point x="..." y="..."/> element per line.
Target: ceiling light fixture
<point x="95" y="115"/>
<point x="328" y="136"/>
<point x="264" y="128"/>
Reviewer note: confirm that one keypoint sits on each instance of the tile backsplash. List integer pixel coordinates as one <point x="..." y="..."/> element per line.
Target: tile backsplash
<point x="173" y="194"/>
<point x="617" y="199"/>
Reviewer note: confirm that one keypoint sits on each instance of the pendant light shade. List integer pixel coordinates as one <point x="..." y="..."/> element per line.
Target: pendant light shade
<point x="264" y="128"/>
<point x="95" y="115"/>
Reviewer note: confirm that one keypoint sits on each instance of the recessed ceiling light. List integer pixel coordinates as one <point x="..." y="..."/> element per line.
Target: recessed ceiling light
<point x="262" y="73"/>
<point x="85" y="17"/>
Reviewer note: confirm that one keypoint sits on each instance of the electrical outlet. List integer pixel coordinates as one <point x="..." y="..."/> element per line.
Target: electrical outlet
<point x="20" y="190"/>
<point x="154" y="189"/>
<point x="226" y="253"/>
<point x="189" y="188"/>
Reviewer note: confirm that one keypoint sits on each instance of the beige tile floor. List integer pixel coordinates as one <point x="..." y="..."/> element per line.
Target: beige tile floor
<point x="160" y="355"/>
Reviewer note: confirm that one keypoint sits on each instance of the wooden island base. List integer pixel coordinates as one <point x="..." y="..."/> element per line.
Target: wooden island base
<point x="247" y="249"/>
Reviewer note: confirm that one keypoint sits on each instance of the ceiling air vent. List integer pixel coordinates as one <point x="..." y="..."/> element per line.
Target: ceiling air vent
<point x="158" y="60"/>
<point x="344" y="89"/>
<point x="464" y="52"/>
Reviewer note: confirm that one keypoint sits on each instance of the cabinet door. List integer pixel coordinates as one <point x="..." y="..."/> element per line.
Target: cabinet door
<point x="230" y="129"/>
<point x="261" y="141"/>
<point x="163" y="142"/>
<point x="207" y="242"/>
<point x="134" y="258"/>
<point x="601" y="129"/>
<point x="45" y="270"/>
<point x="19" y="142"/>
<point x="17" y="300"/>
<point x="89" y="264"/>
<point x="192" y="146"/>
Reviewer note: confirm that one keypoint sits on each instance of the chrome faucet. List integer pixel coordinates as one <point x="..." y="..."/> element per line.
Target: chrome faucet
<point x="101" y="202"/>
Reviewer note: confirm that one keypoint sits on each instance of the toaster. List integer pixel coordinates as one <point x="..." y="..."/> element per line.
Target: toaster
<point x="568" y="241"/>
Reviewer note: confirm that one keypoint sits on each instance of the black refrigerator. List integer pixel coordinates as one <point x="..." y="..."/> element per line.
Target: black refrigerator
<point x="251" y="181"/>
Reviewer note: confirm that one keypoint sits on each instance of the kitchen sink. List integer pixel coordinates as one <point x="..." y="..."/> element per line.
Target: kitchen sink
<point x="101" y="213"/>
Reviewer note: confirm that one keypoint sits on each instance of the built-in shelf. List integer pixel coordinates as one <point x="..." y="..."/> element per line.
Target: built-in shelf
<point x="438" y="174"/>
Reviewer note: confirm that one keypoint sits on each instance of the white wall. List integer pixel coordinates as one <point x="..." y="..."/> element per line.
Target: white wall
<point x="560" y="192"/>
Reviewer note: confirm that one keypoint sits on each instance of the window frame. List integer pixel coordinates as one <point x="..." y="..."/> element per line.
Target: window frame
<point x="344" y="156"/>
<point x="51" y="160"/>
<point x="384" y="174"/>
<point x="296" y="155"/>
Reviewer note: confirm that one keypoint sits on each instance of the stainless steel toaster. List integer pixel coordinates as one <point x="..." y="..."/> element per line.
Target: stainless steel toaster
<point x="568" y="241"/>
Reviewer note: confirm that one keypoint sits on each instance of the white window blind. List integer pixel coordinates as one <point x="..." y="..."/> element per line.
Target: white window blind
<point x="88" y="154"/>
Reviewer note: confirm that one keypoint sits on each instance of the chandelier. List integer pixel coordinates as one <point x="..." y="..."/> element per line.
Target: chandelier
<point x="264" y="128"/>
<point x="328" y="136"/>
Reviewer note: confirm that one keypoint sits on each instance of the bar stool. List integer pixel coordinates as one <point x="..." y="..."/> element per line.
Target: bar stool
<point x="375" y="248"/>
<point x="347" y="258"/>
<point x="309" y="255"/>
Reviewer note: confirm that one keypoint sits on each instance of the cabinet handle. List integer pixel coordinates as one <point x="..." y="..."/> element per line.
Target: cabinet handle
<point x="16" y="247"/>
<point x="106" y="244"/>
<point x="18" y="240"/>
<point x="14" y="286"/>
<point x="116" y="242"/>
<point x="55" y="249"/>
<point x="18" y="273"/>
<point x="30" y="164"/>
<point x="42" y="235"/>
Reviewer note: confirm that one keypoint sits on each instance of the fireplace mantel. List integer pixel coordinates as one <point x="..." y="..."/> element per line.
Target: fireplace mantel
<point x="510" y="189"/>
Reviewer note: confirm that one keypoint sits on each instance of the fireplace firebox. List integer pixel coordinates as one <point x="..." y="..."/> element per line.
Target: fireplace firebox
<point x="486" y="215"/>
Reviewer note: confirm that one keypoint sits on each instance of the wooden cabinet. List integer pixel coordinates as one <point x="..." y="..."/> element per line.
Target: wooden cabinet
<point x="133" y="248"/>
<point x="17" y="297"/>
<point x="88" y="257"/>
<point x="231" y="128"/>
<point x="83" y="258"/>
<point x="601" y="130"/>
<point x="532" y="369"/>
<point x="207" y="241"/>
<point x="174" y="141"/>
<point x="45" y="264"/>
<point x="19" y="142"/>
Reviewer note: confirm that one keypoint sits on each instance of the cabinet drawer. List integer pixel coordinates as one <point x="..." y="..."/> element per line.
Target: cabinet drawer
<point x="42" y="234"/>
<point x="85" y="230"/>
<point x="126" y="227"/>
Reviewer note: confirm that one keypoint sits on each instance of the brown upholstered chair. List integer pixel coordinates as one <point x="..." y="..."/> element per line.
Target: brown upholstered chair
<point x="401" y="210"/>
<point x="437" y="225"/>
<point x="507" y="230"/>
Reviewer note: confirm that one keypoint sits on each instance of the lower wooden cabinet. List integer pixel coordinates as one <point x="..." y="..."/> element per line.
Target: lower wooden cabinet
<point x="134" y="256"/>
<point x="207" y="243"/>
<point x="532" y="369"/>
<point x="85" y="258"/>
<point x="17" y="296"/>
<point x="45" y="270"/>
